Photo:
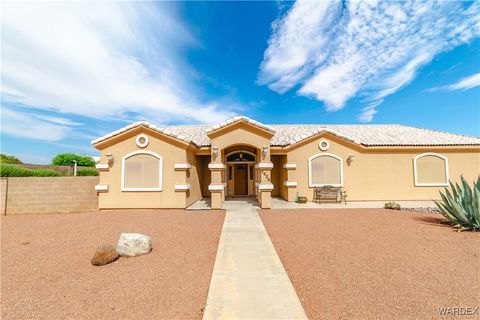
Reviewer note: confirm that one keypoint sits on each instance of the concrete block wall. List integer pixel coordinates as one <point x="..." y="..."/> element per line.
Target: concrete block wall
<point x="38" y="195"/>
<point x="3" y="195"/>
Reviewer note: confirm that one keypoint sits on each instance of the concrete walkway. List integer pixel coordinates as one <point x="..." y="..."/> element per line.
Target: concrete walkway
<point x="249" y="281"/>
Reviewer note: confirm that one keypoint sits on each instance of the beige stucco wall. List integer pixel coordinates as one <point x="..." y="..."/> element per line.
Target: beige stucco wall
<point x="380" y="175"/>
<point x="282" y="176"/>
<point x="193" y="178"/>
<point x="172" y="152"/>
<point x="43" y="195"/>
<point x="375" y="174"/>
<point x="276" y="175"/>
<point x="204" y="172"/>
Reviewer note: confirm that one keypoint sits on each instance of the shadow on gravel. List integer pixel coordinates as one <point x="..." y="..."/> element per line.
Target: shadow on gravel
<point x="436" y="221"/>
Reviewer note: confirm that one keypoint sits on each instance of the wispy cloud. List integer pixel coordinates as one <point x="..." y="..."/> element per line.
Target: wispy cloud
<point x="463" y="84"/>
<point x="334" y="51"/>
<point x="29" y="125"/>
<point x="99" y="60"/>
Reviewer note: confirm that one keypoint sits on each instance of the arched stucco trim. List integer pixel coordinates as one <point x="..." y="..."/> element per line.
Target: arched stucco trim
<point x="423" y="184"/>
<point x="318" y="155"/>
<point x="160" y="171"/>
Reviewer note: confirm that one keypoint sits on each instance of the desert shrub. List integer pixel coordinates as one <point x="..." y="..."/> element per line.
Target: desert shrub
<point x="461" y="206"/>
<point x="4" y="158"/>
<point x="16" y="171"/>
<point x="13" y="171"/>
<point x="44" y="173"/>
<point x="66" y="159"/>
<point x="87" y="172"/>
<point x="392" y="205"/>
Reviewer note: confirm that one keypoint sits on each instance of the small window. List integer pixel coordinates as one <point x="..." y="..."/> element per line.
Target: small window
<point x="142" y="141"/>
<point x="325" y="169"/>
<point x="142" y="171"/>
<point x="430" y="169"/>
<point x="323" y="145"/>
<point x="251" y="172"/>
<point x="230" y="172"/>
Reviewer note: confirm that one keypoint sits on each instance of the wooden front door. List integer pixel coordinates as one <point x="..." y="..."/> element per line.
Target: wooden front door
<point x="241" y="180"/>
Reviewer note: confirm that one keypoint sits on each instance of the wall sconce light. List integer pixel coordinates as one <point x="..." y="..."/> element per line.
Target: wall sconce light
<point x="350" y="159"/>
<point x="110" y="159"/>
<point x="264" y="152"/>
<point x="215" y="152"/>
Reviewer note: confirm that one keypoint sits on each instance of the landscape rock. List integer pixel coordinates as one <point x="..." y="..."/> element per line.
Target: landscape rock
<point x="104" y="254"/>
<point x="133" y="244"/>
<point x="424" y="210"/>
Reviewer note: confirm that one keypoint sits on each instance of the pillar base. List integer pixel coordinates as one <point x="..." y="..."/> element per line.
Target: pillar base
<point x="216" y="200"/>
<point x="265" y="199"/>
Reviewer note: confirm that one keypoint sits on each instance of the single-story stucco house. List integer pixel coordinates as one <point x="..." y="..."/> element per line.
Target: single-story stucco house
<point x="147" y="166"/>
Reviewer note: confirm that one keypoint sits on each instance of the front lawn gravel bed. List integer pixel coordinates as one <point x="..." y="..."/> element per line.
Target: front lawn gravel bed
<point x="376" y="263"/>
<point x="46" y="271"/>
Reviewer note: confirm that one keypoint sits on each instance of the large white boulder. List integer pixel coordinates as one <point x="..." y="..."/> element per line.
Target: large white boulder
<point x="133" y="244"/>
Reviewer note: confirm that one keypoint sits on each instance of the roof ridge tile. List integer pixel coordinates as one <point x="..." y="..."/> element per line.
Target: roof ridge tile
<point x="288" y="134"/>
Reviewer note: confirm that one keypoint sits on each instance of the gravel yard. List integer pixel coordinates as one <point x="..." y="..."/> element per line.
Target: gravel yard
<point x="375" y="263"/>
<point x="46" y="271"/>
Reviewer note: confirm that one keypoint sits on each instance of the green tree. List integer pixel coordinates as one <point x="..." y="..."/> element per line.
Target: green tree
<point x="66" y="159"/>
<point x="4" y="158"/>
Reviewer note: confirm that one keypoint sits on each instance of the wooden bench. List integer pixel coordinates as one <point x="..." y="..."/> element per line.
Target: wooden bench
<point x="330" y="193"/>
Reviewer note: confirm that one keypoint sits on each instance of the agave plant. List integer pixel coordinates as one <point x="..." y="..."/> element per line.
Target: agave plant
<point x="461" y="206"/>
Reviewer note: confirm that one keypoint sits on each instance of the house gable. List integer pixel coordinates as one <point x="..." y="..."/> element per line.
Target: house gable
<point x="240" y="134"/>
<point x="139" y="128"/>
<point x="241" y="122"/>
<point x="329" y="135"/>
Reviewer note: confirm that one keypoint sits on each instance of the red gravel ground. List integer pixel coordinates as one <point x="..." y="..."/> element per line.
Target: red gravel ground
<point x="375" y="263"/>
<point x="46" y="271"/>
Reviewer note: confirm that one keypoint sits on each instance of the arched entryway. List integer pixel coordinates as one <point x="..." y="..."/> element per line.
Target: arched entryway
<point x="240" y="164"/>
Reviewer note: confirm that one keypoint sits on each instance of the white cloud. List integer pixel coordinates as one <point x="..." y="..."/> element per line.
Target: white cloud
<point x="99" y="60"/>
<point x="335" y="51"/>
<point x="369" y="111"/>
<point x="28" y="125"/>
<point x="463" y="84"/>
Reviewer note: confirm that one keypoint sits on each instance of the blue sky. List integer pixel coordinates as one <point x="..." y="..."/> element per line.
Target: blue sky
<point x="74" y="71"/>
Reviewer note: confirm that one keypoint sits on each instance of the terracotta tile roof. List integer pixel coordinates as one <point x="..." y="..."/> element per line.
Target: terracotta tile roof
<point x="169" y="131"/>
<point x="240" y="118"/>
<point x="373" y="135"/>
<point x="367" y="135"/>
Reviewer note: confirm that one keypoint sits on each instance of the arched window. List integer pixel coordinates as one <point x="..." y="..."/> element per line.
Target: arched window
<point x="241" y="156"/>
<point x="325" y="169"/>
<point x="142" y="171"/>
<point x="430" y="169"/>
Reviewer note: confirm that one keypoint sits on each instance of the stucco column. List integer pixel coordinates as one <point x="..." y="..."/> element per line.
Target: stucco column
<point x="291" y="182"/>
<point x="217" y="186"/>
<point x="264" y="182"/>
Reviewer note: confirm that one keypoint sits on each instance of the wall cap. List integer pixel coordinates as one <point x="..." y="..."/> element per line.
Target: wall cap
<point x="216" y="166"/>
<point x="290" y="166"/>
<point x="216" y="187"/>
<point x="101" y="187"/>
<point x="265" y="186"/>
<point x="102" y="166"/>
<point x="182" y="166"/>
<point x="264" y="165"/>
<point x="182" y="187"/>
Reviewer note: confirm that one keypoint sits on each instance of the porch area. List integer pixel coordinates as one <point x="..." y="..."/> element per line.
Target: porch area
<point x="279" y="203"/>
